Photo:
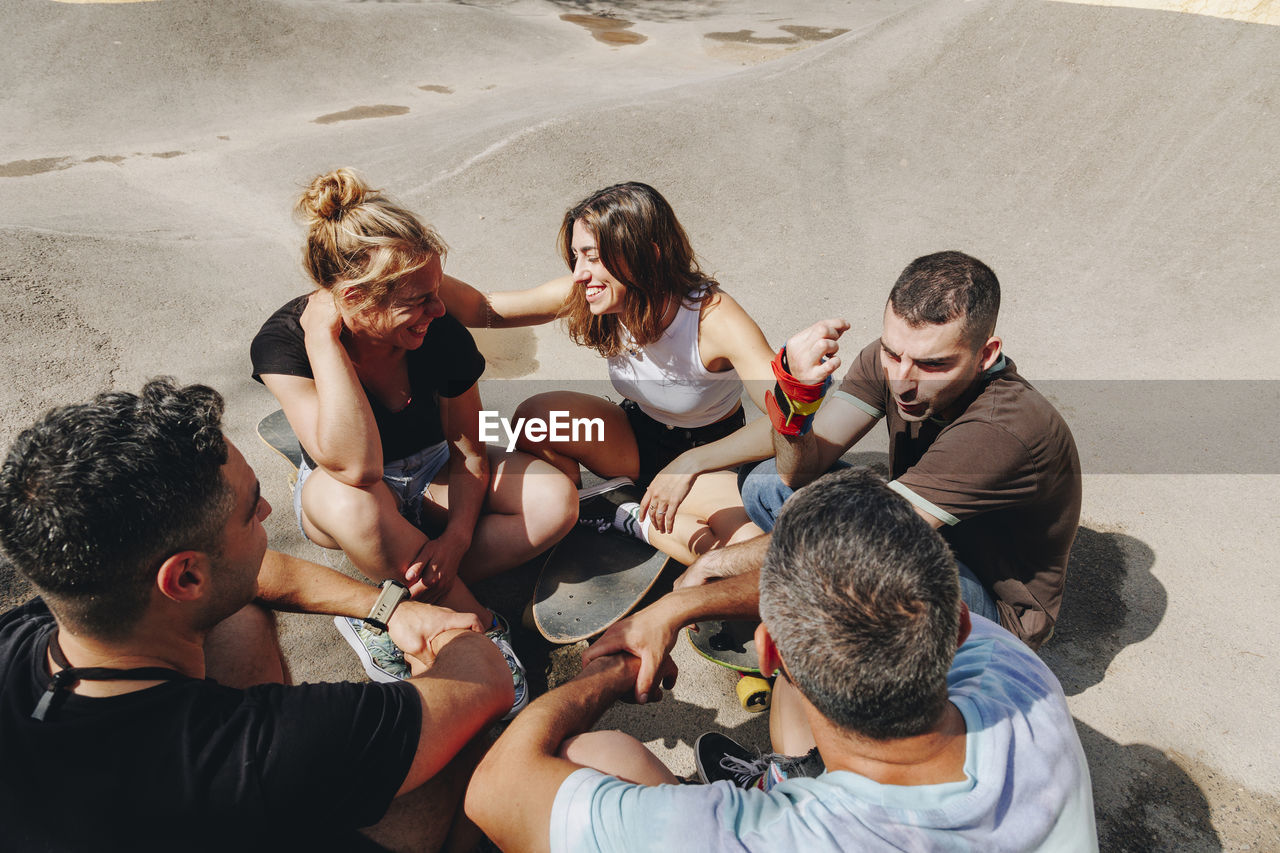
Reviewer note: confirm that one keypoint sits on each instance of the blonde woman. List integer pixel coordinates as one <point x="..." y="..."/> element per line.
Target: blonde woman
<point x="379" y="384"/>
<point x="678" y="350"/>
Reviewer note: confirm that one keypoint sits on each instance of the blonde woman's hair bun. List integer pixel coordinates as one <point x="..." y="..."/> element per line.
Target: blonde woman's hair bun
<point x="359" y="238"/>
<point x="331" y="196"/>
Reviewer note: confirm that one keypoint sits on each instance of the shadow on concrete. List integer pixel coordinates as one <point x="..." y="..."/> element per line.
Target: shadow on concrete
<point x="677" y="723"/>
<point x="1111" y="601"/>
<point x="875" y="460"/>
<point x="508" y="353"/>
<point x="1143" y="799"/>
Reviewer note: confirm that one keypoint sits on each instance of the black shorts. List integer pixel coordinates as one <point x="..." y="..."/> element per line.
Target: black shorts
<point x="659" y="443"/>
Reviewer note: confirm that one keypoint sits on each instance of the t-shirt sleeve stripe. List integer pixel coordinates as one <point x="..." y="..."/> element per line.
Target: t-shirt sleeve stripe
<point x="861" y="404"/>
<point x="934" y="510"/>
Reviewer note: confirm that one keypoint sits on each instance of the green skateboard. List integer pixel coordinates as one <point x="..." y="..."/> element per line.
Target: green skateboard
<point x="732" y="644"/>
<point x="591" y="580"/>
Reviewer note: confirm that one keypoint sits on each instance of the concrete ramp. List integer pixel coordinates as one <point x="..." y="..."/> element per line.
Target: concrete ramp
<point x="1116" y="166"/>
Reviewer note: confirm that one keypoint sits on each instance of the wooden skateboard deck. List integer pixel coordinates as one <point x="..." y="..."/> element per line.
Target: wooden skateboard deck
<point x="591" y="580"/>
<point x="275" y="432"/>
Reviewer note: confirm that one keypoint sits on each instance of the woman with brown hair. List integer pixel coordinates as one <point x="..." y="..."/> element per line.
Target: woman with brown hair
<point x="678" y="349"/>
<point x="379" y="384"/>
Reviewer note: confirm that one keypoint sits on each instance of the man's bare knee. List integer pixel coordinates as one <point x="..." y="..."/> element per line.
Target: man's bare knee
<point x="617" y="754"/>
<point x="244" y="649"/>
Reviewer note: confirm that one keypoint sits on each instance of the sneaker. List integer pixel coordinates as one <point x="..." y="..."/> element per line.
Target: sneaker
<point x="382" y="660"/>
<point x="597" y="524"/>
<point x="617" y="509"/>
<point x="500" y="633"/>
<point x="723" y="759"/>
<point x="589" y="492"/>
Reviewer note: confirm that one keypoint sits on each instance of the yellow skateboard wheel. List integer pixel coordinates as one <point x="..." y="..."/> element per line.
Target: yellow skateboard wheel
<point x="754" y="692"/>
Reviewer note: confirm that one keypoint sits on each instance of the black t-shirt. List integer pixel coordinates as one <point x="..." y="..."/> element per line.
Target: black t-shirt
<point x="446" y="365"/>
<point x="190" y="764"/>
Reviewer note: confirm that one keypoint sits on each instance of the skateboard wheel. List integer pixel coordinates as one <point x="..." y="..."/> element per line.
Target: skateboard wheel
<point x="526" y="618"/>
<point x="754" y="693"/>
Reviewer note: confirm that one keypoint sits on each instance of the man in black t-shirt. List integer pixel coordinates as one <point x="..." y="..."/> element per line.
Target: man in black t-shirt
<point x="142" y="697"/>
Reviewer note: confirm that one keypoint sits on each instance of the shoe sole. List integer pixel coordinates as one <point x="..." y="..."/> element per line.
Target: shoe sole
<point x="603" y="488"/>
<point x="371" y="669"/>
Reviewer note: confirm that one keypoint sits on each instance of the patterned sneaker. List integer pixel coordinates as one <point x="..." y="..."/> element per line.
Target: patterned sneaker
<point x="500" y="633"/>
<point x="379" y="656"/>
<point x="720" y="758"/>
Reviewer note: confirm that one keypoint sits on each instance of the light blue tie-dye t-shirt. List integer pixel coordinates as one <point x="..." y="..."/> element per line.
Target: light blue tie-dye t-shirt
<point x="1026" y="785"/>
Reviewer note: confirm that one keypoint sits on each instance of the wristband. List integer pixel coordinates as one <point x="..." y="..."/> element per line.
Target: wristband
<point x="792" y="404"/>
<point x="393" y="592"/>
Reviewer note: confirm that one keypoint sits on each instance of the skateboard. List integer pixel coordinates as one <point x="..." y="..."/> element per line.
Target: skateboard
<point x="275" y="432"/>
<point x="732" y="644"/>
<point x="591" y="580"/>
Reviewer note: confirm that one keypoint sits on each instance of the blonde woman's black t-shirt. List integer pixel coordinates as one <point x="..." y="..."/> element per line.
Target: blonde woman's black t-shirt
<point x="446" y="365"/>
<point x="191" y="764"/>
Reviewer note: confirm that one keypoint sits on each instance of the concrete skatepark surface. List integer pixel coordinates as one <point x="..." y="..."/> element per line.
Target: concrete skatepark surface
<point x="1117" y="168"/>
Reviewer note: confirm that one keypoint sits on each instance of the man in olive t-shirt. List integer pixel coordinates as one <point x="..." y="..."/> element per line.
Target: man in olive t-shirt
<point x="976" y="449"/>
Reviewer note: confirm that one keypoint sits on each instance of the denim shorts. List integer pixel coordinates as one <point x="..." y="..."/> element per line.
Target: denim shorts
<point x="407" y="479"/>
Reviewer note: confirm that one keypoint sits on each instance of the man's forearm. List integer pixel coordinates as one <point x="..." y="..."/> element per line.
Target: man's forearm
<point x="798" y="458"/>
<point x="572" y="708"/>
<point x="513" y="806"/>
<point x="295" y="585"/>
<point x="734" y="597"/>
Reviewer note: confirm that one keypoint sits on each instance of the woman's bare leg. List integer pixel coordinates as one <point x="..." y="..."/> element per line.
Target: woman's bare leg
<point x="529" y="506"/>
<point x="365" y="523"/>
<point x="711" y="516"/>
<point x="614" y="456"/>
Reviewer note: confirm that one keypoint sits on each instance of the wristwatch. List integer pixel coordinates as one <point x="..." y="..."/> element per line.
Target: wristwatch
<point x="392" y="593"/>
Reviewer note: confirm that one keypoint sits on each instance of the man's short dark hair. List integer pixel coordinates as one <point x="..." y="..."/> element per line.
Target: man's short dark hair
<point x="862" y="598"/>
<point x="94" y="497"/>
<point x="944" y="286"/>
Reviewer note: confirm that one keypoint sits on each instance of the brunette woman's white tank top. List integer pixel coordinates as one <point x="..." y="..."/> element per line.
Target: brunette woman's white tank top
<point x="668" y="381"/>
